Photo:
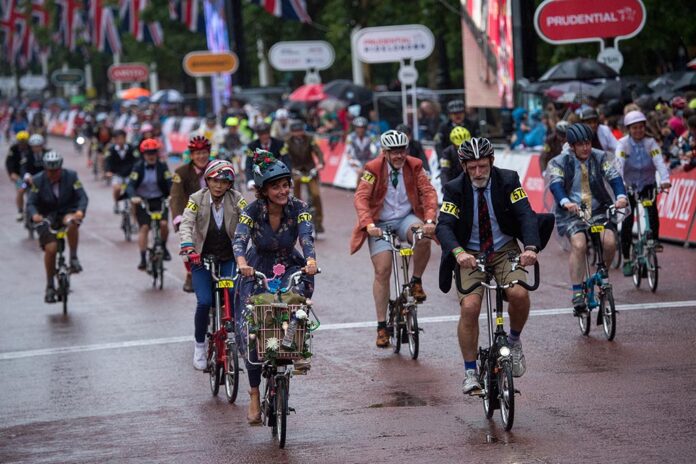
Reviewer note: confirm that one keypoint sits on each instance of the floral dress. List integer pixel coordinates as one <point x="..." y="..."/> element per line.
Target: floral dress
<point x="268" y="248"/>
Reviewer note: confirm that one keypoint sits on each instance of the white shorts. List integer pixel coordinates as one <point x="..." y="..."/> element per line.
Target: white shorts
<point x="401" y="226"/>
<point x="118" y="181"/>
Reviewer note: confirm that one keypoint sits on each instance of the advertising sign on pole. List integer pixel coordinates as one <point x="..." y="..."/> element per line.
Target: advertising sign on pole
<point x="301" y="55"/>
<point x="67" y="77"/>
<point x="31" y="82"/>
<point x="389" y="44"/>
<point x="612" y="57"/>
<point x="573" y="21"/>
<point x="128" y="72"/>
<point x="200" y="64"/>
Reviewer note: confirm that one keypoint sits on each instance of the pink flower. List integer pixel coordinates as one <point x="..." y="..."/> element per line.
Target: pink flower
<point x="278" y="270"/>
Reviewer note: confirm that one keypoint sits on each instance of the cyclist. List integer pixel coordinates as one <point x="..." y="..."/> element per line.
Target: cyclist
<point x="150" y="182"/>
<point x="602" y="136"/>
<point x="235" y="143"/>
<point x="273" y="223"/>
<point x="280" y="127"/>
<point x="32" y="162"/>
<point x="13" y="164"/>
<point x="576" y="178"/>
<point x="118" y="164"/>
<point x="639" y="158"/>
<point x="360" y="147"/>
<point x="305" y="155"/>
<point x="265" y="142"/>
<point x="485" y="211"/>
<point x="57" y="195"/>
<point x="457" y="117"/>
<point x="207" y="228"/>
<point x="212" y="131"/>
<point x="188" y="179"/>
<point x="554" y="143"/>
<point x="393" y="191"/>
<point x="415" y="148"/>
<point x="100" y="139"/>
<point x="450" y="167"/>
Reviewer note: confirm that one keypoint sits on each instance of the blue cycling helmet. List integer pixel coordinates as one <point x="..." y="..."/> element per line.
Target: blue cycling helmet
<point x="579" y="132"/>
<point x="267" y="168"/>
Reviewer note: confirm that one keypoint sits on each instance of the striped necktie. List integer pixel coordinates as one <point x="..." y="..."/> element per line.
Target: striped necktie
<point x="485" y="229"/>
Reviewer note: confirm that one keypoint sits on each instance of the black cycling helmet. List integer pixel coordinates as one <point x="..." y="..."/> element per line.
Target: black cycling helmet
<point x="263" y="128"/>
<point x="297" y="126"/>
<point x="588" y="114"/>
<point x="119" y="132"/>
<point x="267" y="168"/>
<point x="403" y="128"/>
<point x="455" y="106"/>
<point x="579" y="132"/>
<point x="474" y="149"/>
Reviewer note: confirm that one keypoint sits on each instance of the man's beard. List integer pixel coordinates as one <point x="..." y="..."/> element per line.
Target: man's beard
<point x="482" y="183"/>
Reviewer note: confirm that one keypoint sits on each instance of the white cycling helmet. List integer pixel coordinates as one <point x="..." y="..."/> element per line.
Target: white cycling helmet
<point x="36" y="140"/>
<point x="633" y="117"/>
<point x="52" y="160"/>
<point x="282" y="113"/>
<point x="393" y="139"/>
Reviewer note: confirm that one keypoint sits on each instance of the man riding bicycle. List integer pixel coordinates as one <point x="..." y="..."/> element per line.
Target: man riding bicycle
<point x="450" y="166"/>
<point x="13" y="164"/>
<point x="150" y="182"/>
<point x="188" y="179"/>
<point x="395" y="192"/>
<point x="118" y="164"/>
<point x="361" y="147"/>
<point x="57" y="195"/>
<point x="576" y="180"/>
<point x="484" y="212"/>
<point x="301" y="149"/>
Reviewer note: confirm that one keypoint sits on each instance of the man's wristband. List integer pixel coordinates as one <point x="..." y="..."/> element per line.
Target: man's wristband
<point x="531" y="248"/>
<point x="372" y="224"/>
<point x="457" y="251"/>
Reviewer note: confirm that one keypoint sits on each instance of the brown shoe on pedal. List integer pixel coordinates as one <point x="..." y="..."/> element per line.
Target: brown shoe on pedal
<point x="417" y="291"/>
<point x="382" y="338"/>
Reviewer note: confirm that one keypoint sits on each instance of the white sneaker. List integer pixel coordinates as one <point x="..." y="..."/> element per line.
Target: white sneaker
<point x="471" y="382"/>
<point x="200" y="358"/>
<point x="519" y="366"/>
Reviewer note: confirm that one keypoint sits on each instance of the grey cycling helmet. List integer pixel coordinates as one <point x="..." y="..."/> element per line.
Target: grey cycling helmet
<point x="359" y="122"/>
<point x="474" y="149"/>
<point x="562" y="127"/>
<point x="267" y="168"/>
<point x="579" y="132"/>
<point x="393" y="139"/>
<point x="36" y="140"/>
<point x="589" y="114"/>
<point x="455" y="106"/>
<point x="52" y="160"/>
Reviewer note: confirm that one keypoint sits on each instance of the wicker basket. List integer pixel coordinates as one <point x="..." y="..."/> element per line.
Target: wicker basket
<point x="268" y="319"/>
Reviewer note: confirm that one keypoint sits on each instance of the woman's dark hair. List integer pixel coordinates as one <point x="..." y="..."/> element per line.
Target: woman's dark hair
<point x="260" y="192"/>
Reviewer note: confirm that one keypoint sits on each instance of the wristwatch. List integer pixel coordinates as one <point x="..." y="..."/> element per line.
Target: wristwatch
<point x="531" y="248"/>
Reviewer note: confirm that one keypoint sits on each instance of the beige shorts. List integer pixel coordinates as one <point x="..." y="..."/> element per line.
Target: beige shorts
<point x="502" y="273"/>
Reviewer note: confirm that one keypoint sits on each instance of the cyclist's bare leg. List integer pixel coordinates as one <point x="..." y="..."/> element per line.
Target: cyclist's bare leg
<point x="421" y="254"/>
<point x="164" y="231"/>
<point x="116" y="193"/>
<point x="468" y="328"/>
<point x="576" y="262"/>
<point x="50" y="251"/>
<point x="518" y="309"/>
<point x="20" y="199"/>
<point x="73" y="237"/>
<point x="142" y="237"/>
<point x="382" y="263"/>
<point x="609" y="245"/>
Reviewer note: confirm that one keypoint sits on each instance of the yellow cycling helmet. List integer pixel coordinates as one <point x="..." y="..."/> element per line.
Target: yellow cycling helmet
<point x="232" y="121"/>
<point x="22" y="136"/>
<point x="459" y="135"/>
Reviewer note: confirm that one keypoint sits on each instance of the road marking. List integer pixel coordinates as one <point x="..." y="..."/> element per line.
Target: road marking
<point x="340" y="326"/>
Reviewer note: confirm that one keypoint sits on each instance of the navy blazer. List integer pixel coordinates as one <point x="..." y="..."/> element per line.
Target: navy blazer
<point x="164" y="178"/>
<point x="71" y="198"/>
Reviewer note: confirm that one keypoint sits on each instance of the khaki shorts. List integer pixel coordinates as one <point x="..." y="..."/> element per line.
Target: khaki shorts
<point x="502" y="272"/>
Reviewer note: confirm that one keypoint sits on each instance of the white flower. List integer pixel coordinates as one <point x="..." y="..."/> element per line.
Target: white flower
<point x="300" y="314"/>
<point x="250" y="307"/>
<point x="252" y="336"/>
<point x="272" y="344"/>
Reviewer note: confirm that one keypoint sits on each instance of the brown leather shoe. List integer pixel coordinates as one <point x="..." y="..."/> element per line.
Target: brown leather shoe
<point x="188" y="284"/>
<point x="254" y="412"/>
<point x="382" y="338"/>
<point x="417" y="292"/>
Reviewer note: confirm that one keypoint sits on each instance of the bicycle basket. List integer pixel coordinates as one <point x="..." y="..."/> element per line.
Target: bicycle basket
<point x="268" y="323"/>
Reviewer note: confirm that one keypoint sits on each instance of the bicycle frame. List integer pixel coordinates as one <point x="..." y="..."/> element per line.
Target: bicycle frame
<point x="402" y="291"/>
<point x="644" y="240"/>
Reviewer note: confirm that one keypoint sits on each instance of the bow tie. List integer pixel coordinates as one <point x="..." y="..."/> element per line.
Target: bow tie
<point x="150" y="166"/>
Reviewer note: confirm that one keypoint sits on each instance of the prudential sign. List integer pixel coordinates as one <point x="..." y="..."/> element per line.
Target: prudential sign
<point x="572" y="21"/>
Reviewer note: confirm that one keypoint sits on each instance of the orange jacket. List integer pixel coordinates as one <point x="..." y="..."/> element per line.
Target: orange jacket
<point x="372" y="188"/>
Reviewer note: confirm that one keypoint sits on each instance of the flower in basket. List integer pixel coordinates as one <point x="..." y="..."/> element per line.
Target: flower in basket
<point x="278" y="270"/>
<point x="272" y="344"/>
<point x="274" y="285"/>
<point x="301" y="314"/>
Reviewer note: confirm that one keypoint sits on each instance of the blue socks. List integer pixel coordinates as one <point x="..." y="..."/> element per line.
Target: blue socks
<point x="514" y="336"/>
<point x="469" y="365"/>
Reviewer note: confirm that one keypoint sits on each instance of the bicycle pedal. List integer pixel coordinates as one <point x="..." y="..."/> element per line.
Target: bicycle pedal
<point x="291" y="410"/>
<point x="517" y="392"/>
<point x="479" y="393"/>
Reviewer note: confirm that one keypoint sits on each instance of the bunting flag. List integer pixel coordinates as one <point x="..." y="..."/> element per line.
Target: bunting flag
<point x="187" y="12"/>
<point x="104" y="33"/>
<point x="71" y="22"/>
<point x="295" y="10"/>
<point x="130" y="11"/>
<point x="11" y="26"/>
<point x="35" y="16"/>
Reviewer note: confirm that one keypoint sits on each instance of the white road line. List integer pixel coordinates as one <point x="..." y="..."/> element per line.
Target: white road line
<point x="340" y="326"/>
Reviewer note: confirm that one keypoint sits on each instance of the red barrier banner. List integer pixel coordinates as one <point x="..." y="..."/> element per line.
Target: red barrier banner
<point x="677" y="208"/>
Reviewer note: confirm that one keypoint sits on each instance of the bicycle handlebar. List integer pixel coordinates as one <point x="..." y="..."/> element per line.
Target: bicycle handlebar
<point x="294" y="277"/>
<point x="51" y="229"/>
<point x="388" y="233"/>
<point x="481" y="266"/>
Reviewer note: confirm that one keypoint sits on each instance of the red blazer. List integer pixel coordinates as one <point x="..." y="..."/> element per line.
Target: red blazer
<point x="372" y="188"/>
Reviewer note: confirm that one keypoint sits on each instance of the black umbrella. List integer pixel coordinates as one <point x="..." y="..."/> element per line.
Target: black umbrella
<point x="346" y="90"/>
<point x="536" y="87"/>
<point x="666" y="80"/>
<point x="620" y="89"/>
<point x="578" y="69"/>
<point x="686" y="82"/>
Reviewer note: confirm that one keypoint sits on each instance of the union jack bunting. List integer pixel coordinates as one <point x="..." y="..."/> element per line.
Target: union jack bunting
<point x="295" y="10"/>
<point x="11" y="26"/>
<point x="187" y="12"/>
<point x="71" y="21"/>
<point x="129" y="13"/>
<point x="104" y="33"/>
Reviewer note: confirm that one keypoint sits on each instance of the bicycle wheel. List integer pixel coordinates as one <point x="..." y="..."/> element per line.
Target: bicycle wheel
<point x="412" y="331"/>
<point x="584" y="321"/>
<point x="607" y="310"/>
<point x="63" y="290"/>
<point x="281" y="410"/>
<point x="126" y="226"/>
<point x="268" y="406"/>
<point x="395" y="322"/>
<point x="214" y="369"/>
<point x="637" y="268"/>
<point x="618" y="257"/>
<point x="160" y="271"/>
<point x="231" y="372"/>
<point x="506" y="388"/>
<point x="653" y="270"/>
<point x="490" y="391"/>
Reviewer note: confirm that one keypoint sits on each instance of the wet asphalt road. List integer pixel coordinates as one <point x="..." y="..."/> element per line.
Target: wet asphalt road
<point x="113" y="381"/>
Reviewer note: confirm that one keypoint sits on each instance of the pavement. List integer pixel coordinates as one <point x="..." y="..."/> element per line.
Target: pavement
<point x="113" y="382"/>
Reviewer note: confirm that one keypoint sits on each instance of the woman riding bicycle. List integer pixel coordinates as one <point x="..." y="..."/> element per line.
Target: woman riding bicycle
<point x="638" y="158"/>
<point x="273" y="223"/>
<point x="209" y="220"/>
